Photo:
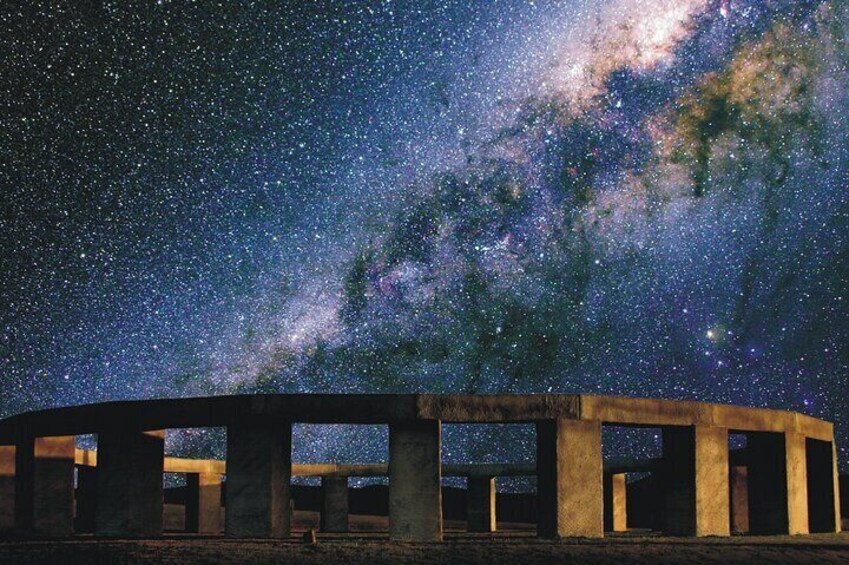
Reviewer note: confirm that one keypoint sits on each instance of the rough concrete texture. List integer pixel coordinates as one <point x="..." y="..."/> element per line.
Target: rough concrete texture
<point x="415" y="496"/>
<point x="380" y="409"/>
<point x="615" y="503"/>
<point x="739" y="485"/>
<point x="480" y="504"/>
<point x="129" y="483"/>
<point x="203" y="503"/>
<point x="44" y="486"/>
<point x="569" y="479"/>
<point x="7" y="487"/>
<point x="458" y="408"/>
<point x="838" y="492"/>
<point x="334" y="504"/>
<point x="797" y="483"/>
<point x="785" y="495"/>
<point x="259" y="461"/>
<point x="712" y="490"/>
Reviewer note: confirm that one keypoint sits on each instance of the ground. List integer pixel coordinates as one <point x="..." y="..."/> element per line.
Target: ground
<point x="516" y="544"/>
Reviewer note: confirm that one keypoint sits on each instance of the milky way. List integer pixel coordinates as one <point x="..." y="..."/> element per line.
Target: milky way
<point x="645" y="198"/>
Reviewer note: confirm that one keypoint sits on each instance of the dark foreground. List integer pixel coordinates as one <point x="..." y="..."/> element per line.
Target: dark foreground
<point x="365" y="548"/>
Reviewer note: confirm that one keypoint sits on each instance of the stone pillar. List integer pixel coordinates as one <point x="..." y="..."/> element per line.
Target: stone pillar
<point x="837" y="498"/>
<point x="86" y="499"/>
<point x="334" y="504"/>
<point x="615" y="511"/>
<point x="569" y="479"/>
<point x="739" y="485"/>
<point x="203" y="503"/>
<point x="44" y="486"/>
<point x="259" y="469"/>
<point x="695" y="481"/>
<point x="129" y="482"/>
<point x="778" y="491"/>
<point x="480" y="504"/>
<point x="821" y="492"/>
<point x="7" y="487"/>
<point x="415" y="473"/>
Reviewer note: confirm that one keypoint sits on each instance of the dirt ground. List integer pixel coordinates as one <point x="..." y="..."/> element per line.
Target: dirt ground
<point x="368" y="545"/>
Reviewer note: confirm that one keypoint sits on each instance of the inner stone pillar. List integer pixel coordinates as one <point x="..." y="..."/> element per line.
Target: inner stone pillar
<point x="415" y="493"/>
<point x="569" y="479"/>
<point x="480" y="504"/>
<point x="778" y="497"/>
<point x="334" y="504"/>
<point x="615" y="511"/>
<point x="695" y="481"/>
<point x="739" y="484"/>
<point x="86" y="499"/>
<point x="259" y="469"/>
<point x="838" y="527"/>
<point x="7" y="487"/>
<point x="44" y="486"/>
<point x="129" y="482"/>
<point x="203" y="503"/>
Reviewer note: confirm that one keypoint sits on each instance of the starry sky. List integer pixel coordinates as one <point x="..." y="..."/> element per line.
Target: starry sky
<point x="634" y="197"/>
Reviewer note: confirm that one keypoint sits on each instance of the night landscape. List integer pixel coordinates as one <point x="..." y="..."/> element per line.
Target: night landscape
<point x="450" y="246"/>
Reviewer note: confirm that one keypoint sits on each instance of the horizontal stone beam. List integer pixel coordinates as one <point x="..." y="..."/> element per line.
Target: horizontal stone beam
<point x="88" y="458"/>
<point x="222" y="411"/>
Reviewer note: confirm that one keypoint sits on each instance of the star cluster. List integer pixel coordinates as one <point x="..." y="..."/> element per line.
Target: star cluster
<point x="644" y="198"/>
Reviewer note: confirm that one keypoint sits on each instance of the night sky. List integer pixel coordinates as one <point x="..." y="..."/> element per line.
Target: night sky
<point x="634" y="197"/>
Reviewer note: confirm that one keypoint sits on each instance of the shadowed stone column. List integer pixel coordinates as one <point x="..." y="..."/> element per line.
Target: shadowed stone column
<point x="778" y="492"/>
<point x="695" y="480"/>
<point x="415" y="493"/>
<point x="836" y="480"/>
<point x="334" y="504"/>
<point x="44" y="486"/>
<point x="7" y="486"/>
<point x="821" y="493"/>
<point x="259" y="469"/>
<point x="86" y="499"/>
<point x="203" y="503"/>
<point x="480" y="504"/>
<point x="129" y="483"/>
<point x="569" y="479"/>
<point x="739" y="485"/>
<point x="615" y="512"/>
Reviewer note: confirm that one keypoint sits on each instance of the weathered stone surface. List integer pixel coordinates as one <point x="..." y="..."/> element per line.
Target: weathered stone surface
<point x="785" y="496"/>
<point x="615" y="503"/>
<point x="480" y="504"/>
<point x="259" y="461"/>
<point x="334" y="504"/>
<point x="44" y="486"/>
<point x="415" y="495"/>
<point x="203" y="503"/>
<point x="797" y="483"/>
<point x="497" y="407"/>
<point x="129" y="483"/>
<point x="739" y="485"/>
<point x="839" y="492"/>
<point x="376" y="409"/>
<point x="569" y="479"/>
